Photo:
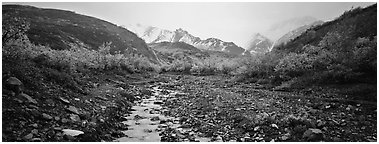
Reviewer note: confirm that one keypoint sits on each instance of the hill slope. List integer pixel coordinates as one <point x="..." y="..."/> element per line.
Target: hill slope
<point x="59" y="29"/>
<point x="353" y="24"/>
<point x="295" y="33"/>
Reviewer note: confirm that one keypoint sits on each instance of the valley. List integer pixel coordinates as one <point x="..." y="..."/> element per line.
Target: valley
<point x="68" y="77"/>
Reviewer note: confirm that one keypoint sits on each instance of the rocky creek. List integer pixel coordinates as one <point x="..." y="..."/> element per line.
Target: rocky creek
<point x="148" y="121"/>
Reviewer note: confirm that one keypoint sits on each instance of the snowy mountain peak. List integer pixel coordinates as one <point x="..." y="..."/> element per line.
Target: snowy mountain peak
<point x="259" y="44"/>
<point x="259" y="36"/>
<point x="180" y="30"/>
<point x="156" y="35"/>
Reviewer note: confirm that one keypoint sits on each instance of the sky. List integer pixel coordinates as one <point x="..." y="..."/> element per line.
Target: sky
<point x="228" y="21"/>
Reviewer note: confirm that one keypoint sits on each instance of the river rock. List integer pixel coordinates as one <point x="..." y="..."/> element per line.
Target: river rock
<point x="18" y="100"/>
<point x="313" y="135"/>
<point x="74" y="117"/>
<point x="46" y="116"/>
<point x="34" y="131"/>
<point x="50" y="102"/>
<point x="64" y="120"/>
<point x="29" y="136"/>
<point x="34" y="125"/>
<point x="28" y="98"/>
<point x="72" y="109"/>
<point x="72" y="132"/>
<point x="36" y="140"/>
<point x="64" y="100"/>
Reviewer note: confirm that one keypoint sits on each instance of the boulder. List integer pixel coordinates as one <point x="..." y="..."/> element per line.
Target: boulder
<point x="14" y="84"/>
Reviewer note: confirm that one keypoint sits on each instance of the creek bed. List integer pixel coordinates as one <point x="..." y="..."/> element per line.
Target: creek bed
<point x="147" y="122"/>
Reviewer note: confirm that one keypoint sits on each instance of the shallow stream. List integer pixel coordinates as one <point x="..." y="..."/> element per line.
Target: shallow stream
<point x="147" y="120"/>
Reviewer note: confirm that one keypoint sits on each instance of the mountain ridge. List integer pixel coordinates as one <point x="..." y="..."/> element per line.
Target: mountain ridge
<point x="156" y="35"/>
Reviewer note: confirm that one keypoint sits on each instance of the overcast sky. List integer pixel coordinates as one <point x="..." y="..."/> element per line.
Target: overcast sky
<point x="234" y="22"/>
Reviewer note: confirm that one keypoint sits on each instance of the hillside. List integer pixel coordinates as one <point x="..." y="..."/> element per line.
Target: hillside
<point x="295" y="33"/>
<point x="279" y="29"/>
<point x="360" y="22"/>
<point x="59" y="29"/>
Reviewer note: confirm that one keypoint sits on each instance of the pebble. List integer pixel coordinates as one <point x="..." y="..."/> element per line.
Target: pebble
<point x="274" y="126"/>
<point x="34" y="131"/>
<point x="29" y="136"/>
<point x="33" y="107"/>
<point x="73" y="109"/>
<point x="29" y="98"/>
<point x="74" y="117"/>
<point x="256" y="128"/>
<point x="64" y="120"/>
<point x="34" y="125"/>
<point x="36" y="140"/>
<point x="18" y="100"/>
<point x="72" y="132"/>
<point x="64" y="100"/>
<point x="47" y="117"/>
<point x="50" y="102"/>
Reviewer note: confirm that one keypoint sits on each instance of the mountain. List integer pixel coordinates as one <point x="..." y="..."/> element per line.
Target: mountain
<point x="279" y="29"/>
<point x="59" y="29"/>
<point x="156" y="35"/>
<point x="279" y="33"/>
<point x="295" y="33"/>
<point x="172" y="47"/>
<point x="259" y="44"/>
